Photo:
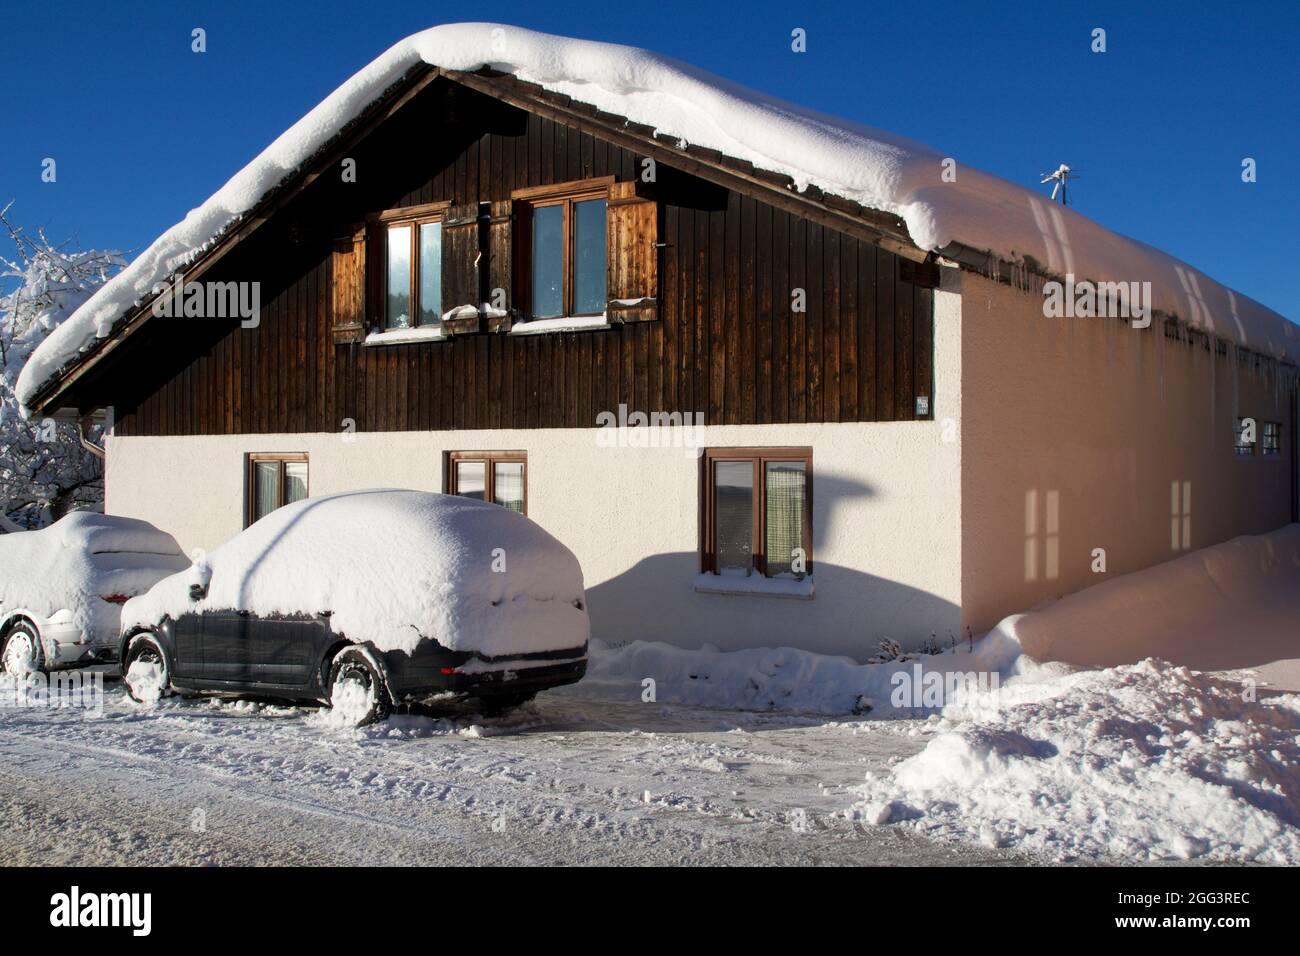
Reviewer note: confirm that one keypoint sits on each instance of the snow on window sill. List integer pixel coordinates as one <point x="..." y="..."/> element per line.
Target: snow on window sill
<point x="754" y="584"/>
<point x="425" y="333"/>
<point x="578" y="323"/>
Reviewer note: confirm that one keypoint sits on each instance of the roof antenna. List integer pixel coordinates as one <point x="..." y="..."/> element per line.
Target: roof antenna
<point x="1058" y="180"/>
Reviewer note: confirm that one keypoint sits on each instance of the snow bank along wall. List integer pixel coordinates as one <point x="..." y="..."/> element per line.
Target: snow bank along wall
<point x="1083" y="434"/>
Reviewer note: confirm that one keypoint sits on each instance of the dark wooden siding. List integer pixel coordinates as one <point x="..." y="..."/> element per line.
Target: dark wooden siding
<point x="726" y="344"/>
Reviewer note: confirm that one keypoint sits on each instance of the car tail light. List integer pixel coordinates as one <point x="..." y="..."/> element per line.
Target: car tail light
<point x="448" y="671"/>
<point x="117" y="598"/>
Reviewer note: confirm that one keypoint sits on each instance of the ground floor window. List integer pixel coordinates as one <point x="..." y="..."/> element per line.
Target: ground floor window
<point x="274" y="480"/>
<point x="497" y="476"/>
<point x="1270" y="438"/>
<point x="756" y="511"/>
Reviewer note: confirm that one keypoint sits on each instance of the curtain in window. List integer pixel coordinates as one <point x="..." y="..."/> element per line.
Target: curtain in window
<point x="734" y="514"/>
<point x="785" y="497"/>
<point x="295" y="481"/>
<point x="508" y="485"/>
<point x="266" y="481"/>
<point x="471" y="479"/>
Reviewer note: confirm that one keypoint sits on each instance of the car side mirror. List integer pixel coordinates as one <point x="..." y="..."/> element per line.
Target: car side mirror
<point x="200" y="577"/>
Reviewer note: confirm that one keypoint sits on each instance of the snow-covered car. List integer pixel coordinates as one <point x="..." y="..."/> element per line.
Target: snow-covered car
<point x="62" y="588"/>
<point x="367" y="599"/>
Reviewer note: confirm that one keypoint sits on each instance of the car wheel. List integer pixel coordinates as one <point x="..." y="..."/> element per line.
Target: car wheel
<point x="21" y="652"/>
<point x="357" y="693"/>
<point x="495" y="704"/>
<point x="144" y="671"/>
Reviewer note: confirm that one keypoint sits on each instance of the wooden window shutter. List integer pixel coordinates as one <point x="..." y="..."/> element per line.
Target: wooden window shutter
<point x="632" y="276"/>
<point x="349" y="280"/>
<point x="460" y="265"/>
<point x="500" y="266"/>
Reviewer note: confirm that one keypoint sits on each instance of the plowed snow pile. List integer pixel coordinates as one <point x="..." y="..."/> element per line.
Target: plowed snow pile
<point x="1146" y="761"/>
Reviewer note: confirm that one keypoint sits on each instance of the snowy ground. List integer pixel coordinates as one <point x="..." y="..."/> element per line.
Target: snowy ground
<point x="563" y="780"/>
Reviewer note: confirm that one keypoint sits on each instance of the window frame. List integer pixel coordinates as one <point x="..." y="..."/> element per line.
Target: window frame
<point x="1238" y="449"/>
<point x="1263" y="439"/>
<point x="759" y="457"/>
<point x="250" y="479"/>
<point x="415" y="217"/>
<point x="567" y="195"/>
<point x="490" y="460"/>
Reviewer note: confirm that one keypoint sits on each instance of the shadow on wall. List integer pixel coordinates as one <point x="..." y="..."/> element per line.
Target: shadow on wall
<point x="850" y="614"/>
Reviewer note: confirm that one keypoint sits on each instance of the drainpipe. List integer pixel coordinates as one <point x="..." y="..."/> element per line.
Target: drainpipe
<point x="86" y="443"/>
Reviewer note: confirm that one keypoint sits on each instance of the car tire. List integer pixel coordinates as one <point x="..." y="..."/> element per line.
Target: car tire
<point x="144" y="649"/>
<point x="497" y="704"/>
<point x="20" y="650"/>
<point x="357" y="690"/>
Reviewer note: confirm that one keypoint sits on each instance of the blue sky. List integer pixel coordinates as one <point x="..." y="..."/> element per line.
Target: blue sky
<point x="143" y="129"/>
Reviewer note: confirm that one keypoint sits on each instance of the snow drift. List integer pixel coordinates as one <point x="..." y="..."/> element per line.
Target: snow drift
<point x="777" y="679"/>
<point x="79" y="560"/>
<point x="1233" y="605"/>
<point x="1147" y="761"/>
<point x="393" y="567"/>
<point x="877" y="169"/>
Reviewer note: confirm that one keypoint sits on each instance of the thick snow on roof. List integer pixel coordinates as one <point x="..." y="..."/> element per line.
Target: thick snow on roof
<point x="877" y="169"/>
<point x="393" y="567"/>
<point x="80" y="559"/>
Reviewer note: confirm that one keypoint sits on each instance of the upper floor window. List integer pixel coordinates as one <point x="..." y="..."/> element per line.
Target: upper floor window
<point x="274" y="480"/>
<point x="1270" y="438"/>
<point x="566" y="237"/>
<point x="758" y="511"/>
<point x="1244" y="442"/>
<point x="497" y="476"/>
<point x="413" y="266"/>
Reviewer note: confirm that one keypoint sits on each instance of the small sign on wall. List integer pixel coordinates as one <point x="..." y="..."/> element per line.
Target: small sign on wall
<point x="922" y="406"/>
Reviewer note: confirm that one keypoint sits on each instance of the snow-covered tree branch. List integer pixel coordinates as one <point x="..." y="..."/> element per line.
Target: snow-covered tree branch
<point x="44" y="469"/>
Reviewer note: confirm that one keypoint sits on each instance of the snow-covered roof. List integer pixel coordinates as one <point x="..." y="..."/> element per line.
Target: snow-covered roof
<point x="877" y="169"/>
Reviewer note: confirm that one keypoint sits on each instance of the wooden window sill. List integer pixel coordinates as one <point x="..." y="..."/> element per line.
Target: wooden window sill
<point x="755" y="585"/>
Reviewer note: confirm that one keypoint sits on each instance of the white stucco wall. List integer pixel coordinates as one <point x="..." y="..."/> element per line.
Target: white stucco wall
<point x="1076" y="431"/>
<point x="886" y="516"/>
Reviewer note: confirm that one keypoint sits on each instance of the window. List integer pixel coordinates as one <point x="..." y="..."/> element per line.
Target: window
<point x="566" y="241"/>
<point x="1244" y="444"/>
<point x="757" y="511"/>
<point x="1271" y="438"/>
<point x="413" y="266"/>
<point x="274" y="481"/>
<point x="496" y="476"/>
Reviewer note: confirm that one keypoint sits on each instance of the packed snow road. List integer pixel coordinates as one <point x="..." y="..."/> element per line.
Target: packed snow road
<point x="559" y="781"/>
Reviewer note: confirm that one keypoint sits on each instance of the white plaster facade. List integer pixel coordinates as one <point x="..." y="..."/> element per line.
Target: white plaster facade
<point x="1050" y="437"/>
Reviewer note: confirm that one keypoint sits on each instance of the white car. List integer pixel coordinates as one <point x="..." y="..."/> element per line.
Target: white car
<point x="62" y="588"/>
